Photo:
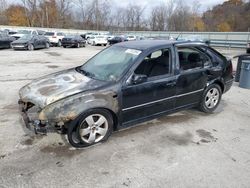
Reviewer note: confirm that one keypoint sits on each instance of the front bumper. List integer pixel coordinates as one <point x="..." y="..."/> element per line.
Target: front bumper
<point x="20" y="47"/>
<point x="33" y="124"/>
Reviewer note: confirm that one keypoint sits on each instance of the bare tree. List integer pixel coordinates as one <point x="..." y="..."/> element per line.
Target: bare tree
<point x="30" y="11"/>
<point x="3" y="7"/>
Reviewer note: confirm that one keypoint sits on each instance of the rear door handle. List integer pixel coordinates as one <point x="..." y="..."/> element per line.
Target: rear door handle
<point x="171" y="83"/>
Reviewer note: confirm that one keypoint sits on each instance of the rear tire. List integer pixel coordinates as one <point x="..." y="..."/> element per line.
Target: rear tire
<point x="64" y="46"/>
<point x="90" y="128"/>
<point x="211" y="98"/>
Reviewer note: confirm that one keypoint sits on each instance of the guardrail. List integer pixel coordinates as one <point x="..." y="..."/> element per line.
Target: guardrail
<point x="219" y="39"/>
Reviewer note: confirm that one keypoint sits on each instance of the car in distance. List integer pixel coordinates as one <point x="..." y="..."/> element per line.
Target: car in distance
<point x="126" y="84"/>
<point x="248" y="48"/>
<point x="5" y="40"/>
<point x="55" y="38"/>
<point x="195" y="38"/>
<point x="117" y="39"/>
<point x="131" y="37"/>
<point x="30" y="42"/>
<point x="73" y="41"/>
<point x="98" y="40"/>
<point x="22" y="33"/>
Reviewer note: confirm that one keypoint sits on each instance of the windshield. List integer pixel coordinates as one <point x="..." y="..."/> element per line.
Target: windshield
<point x="27" y="37"/>
<point x="71" y="36"/>
<point x="49" y="34"/>
<point x="110" y="64"/>
<point x="24" y="32"/>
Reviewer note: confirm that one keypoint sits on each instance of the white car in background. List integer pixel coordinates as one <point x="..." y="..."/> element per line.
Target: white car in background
<point x="55" y="38"/>
<point x="131" y="37"/>
<point x="22" y="33"/>
<point x="98" y="40"/>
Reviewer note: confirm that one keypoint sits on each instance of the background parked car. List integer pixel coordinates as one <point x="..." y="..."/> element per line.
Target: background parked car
<point x="248" y="48"/>
<point x="131" y="37"/>
<point x="22" y="33"/>
<point x="98" y="40"/>
<point x="73" y="41"/>
<point x="55" y="38"/>
<point x="194" y="38"/>
<point x="9" y="32"/>
<point x="117" y="39"/>
<point x="31" y="42"/>
<point x="5" y="40"/>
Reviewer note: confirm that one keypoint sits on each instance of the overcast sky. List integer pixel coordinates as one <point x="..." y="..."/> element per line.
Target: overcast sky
<point x="205" y="4"/>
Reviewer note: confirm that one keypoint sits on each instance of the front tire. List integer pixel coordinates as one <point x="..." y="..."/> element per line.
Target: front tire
<point x="90" y="128"/>
<point x="47" y="45"/>
<point x="30" y="47"/>
<point x="59" y="44"/>
<point x="211" y="98"/>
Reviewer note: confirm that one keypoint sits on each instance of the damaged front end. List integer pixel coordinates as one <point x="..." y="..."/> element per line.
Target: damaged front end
<point x="30" y="115"/>
<point x="49" y="104"/>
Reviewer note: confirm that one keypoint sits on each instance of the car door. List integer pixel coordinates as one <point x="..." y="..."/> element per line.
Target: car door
<point x="36" y="42"/>
<point x="154" y="95"/>
<point x="192" y="78"/>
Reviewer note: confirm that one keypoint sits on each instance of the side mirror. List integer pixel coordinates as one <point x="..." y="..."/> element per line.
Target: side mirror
<point x="139" y="78"/>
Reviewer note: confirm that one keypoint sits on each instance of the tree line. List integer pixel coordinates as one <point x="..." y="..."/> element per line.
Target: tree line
<point x="232" y="15"/>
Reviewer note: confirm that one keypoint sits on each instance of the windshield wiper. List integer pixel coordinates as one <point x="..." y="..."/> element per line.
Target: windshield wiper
<point x="86" y="73"/>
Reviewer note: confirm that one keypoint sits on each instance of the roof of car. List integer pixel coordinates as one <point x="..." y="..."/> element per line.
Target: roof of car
<point x="147" y="44"/>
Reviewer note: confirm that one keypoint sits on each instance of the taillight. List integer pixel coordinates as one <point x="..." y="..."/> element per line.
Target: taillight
<point x="230" y="68"/>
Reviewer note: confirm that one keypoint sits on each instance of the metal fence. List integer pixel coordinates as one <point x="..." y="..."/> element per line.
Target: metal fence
<point x="223" y="39"/>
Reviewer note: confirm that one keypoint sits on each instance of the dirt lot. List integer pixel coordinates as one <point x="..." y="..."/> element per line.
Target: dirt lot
<point x="187" y="149"/>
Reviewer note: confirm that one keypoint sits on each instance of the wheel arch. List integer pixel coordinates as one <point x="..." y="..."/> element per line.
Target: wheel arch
<point x="220" y="83"/>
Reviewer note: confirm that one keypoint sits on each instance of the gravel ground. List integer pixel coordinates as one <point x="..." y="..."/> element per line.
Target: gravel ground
<point x="186" y="149"/>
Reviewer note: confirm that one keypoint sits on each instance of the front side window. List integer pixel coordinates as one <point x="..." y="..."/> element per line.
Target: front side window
<point x="110" y="64"/>
<point x="190" y="58"/>
<point x="155" y="64"/>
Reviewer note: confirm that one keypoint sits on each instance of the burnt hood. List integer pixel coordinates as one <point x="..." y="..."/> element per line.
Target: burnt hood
<point x="57" y="86"/>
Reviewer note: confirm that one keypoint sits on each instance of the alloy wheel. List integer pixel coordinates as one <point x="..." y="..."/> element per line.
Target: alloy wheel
<point x="93" y="128"/>
<point x="212" y="98"/>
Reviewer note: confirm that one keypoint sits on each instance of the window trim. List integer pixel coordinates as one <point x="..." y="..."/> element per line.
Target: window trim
<point x="195" y="48"/>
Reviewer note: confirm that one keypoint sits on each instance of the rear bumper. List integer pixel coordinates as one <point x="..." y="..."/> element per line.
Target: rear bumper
<point x="228" y="85"/>
<point x="69" y="44"/>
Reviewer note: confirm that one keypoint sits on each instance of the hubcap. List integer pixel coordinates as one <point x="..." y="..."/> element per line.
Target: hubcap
<point x="93" y="128"/>
<point x="212" y="98"/>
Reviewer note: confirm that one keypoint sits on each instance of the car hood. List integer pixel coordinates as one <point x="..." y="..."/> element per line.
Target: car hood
<point x="57" y="86"/>
<point x="20" y="41"/>
<point x="18" y="35"/>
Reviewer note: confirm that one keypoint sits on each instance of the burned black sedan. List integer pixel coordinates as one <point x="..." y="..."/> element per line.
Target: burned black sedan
<point x="73" y="41"/>
<point x="126" y="84"/>
<point x="5" y="40"/>
<point x="30" y="42"/>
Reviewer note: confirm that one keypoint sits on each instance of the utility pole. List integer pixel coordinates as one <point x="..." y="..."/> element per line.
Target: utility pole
<point x="97" y="14"/>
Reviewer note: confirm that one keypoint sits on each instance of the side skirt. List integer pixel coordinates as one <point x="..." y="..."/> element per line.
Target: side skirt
<point x="154" y="116"/>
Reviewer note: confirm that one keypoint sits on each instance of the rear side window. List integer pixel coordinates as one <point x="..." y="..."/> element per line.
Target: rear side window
<point x="191" y="58"/>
